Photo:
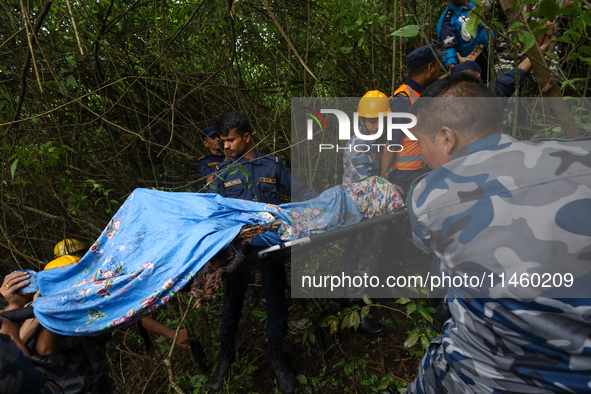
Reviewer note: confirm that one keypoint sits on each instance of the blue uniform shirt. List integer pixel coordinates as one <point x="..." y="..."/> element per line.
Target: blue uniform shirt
<point x="505" y="85"/>
<point x="258" y="180"/>
<point x="453" y="36"/>
<point x="207" y="164"/>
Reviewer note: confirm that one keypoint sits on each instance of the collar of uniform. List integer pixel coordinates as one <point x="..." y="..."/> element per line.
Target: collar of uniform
<point x="490" y="143"/>
<point x="256" y="159"/>
<point x="414" y="85"/>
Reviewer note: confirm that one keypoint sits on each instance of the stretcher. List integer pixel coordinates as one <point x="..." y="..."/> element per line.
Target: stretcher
<point x="306" y="244"/>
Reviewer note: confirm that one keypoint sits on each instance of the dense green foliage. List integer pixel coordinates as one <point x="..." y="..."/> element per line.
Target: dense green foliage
<point x="111" y="95"/>
<point x="116" y="93"/>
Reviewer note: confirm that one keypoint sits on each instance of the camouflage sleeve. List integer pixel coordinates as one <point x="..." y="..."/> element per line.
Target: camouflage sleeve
<point x="508" y="206"/>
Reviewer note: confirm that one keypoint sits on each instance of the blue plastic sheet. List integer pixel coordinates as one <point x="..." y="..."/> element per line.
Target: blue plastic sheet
<point x="158" y="241"/>
<point x="152" y="247"/>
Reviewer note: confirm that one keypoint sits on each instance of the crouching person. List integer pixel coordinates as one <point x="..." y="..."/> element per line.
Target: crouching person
<point x="496" y="205"/>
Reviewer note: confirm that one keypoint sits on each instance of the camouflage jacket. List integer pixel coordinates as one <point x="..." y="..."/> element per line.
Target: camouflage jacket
<point x="513" y="206"/>
<point x="358" y="163"/>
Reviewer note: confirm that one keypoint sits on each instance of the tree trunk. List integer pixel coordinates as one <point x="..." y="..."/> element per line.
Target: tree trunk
<point x="547" y="85"/>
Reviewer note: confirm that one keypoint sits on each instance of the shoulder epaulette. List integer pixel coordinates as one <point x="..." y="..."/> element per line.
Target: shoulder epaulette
<point x="222" y="164"/>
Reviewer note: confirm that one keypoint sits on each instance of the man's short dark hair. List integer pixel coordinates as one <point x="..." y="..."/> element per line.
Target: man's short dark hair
<point x="417" y="71"/>
<point x="462" y="102"/>
<point x="233" y="120"/>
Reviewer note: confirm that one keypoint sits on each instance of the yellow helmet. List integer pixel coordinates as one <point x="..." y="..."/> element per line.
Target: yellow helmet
<point x="372" y="104"/>
<point x="67" y="246"/>
<point x="62" y="261"/>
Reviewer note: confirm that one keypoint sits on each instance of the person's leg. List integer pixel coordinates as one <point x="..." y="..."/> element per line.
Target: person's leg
<point x="47" y="342"/>
<point x="361" y="261"/>
<point x="391" y="262"/>
<point x="274" y="285"/>
<point x="252" y="294"/>
<point x="235" y="286"/>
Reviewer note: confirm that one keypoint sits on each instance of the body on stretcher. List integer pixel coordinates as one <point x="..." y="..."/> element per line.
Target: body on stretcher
<point x="314" y="241"/>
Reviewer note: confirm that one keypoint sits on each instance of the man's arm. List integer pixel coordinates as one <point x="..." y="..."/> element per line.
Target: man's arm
<point x="447" y="39"/>
<point x="296" y="190"/>
<point x="29" y="330"/>
<point x="11" y="329"/>
<point x="506" y="82"/>
<point x="472" y="56"/>
<point x="158" y="328"/>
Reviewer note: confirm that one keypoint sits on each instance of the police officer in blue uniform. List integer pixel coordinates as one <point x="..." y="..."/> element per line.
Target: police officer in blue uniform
<point x="455" y="38"/>
<point x="207" y="164"/>
<point x="249" y="175"/>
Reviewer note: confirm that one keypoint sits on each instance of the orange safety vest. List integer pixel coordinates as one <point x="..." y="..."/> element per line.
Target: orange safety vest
<point x="409" y="158"/>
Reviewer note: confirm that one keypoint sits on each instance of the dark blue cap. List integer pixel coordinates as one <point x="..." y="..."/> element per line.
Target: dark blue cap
<point x="467" y="65"/>
<point x="209" y="131"/>
<point x="422" y="56"/>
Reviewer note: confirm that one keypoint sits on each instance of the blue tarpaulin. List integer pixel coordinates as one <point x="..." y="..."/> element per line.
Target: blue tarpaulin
<point x="157" y="241"/>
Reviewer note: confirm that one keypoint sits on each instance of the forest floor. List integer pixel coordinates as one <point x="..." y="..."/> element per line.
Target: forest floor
<point x="344" y="362"/>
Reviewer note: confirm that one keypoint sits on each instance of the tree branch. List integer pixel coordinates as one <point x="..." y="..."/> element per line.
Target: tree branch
<point x="36" y="28"/>
<point x="287" y="39"/>
<point x="21" y="254"/>
<point x="548" y="86"/>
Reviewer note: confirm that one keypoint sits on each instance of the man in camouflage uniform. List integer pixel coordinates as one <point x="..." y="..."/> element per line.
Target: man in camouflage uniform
<point x="493" y="204"/>
<point x="505" y="59"/>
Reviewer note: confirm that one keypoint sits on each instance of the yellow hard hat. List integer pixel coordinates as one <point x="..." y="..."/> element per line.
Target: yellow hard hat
<point x="372" y="104"/>
<point x="67" y="246"/>
<point x="62" y="261"/>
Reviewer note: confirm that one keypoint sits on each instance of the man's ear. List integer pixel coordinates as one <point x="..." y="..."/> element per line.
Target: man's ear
<point x="247" y="138"/>
<point x="435" y="66"/>
<point x="447" y="140"/>
<point x="205" y="143"/>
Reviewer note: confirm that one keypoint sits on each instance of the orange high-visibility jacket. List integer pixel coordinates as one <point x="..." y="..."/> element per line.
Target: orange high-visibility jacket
<point x="410" y="157"/>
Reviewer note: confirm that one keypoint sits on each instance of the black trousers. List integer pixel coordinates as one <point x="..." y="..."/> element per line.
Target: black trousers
<point x="360" y="260"/>
<point x="274" y="285"/>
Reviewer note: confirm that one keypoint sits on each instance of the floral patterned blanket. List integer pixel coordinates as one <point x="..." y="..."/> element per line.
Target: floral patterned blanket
<point x="157" y="242"/>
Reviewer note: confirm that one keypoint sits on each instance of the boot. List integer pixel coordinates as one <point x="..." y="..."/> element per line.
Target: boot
<point x="285" y="377"/>
<point x="252" y="297"/>
<point x="225" y="360"/>
<point x="370" y="328"/>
